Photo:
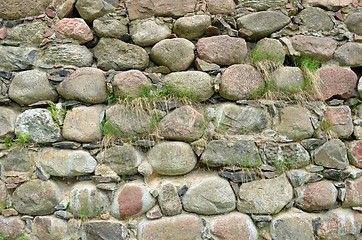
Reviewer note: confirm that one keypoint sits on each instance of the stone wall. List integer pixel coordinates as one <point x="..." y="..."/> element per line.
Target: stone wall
<point x="194" y="119"/>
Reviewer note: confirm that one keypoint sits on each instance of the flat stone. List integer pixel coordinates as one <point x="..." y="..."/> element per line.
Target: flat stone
<point x="259" y="5"/>
<point x="63" y="215"/>
<point x="330" y="5"/>
<point x="37" y="197"/>
<point x="169" y="200"/>
<point x="336" y="175"/>
<point x="154" y="213"/>
<point x="7" y="121"/>
<point x="233" y="226"/>
<point x="47" y="227"/>
<point x="74" y="28"/>
<point x="18" y="8"/>
<point x="147" y="32"/>
<point x="17" y="58"/>
<point x="172" y="158"/>
<point x="269" y="49"/>
<point x="349" y="54"/>
<point x="12" y="226"/>
<point x="204" y="66"/>
<point x="191" y="27"/>
<point x="180" y="227"/>
<point x="222" y="50"/>
<point x="177" y="54"/>
<point x="131" y="200"/>
<point x="288" y="79"/>
<point x="266" y="196"/>
<point x="212" y="195"/>
<point x="339" y="121"/>
<point x="332" y="154"/>
<point x="240" y="81"/>
<point x="115" y="54"/>
<point x="130" y="83"/>
<point x="39" y="124"/>
<point x="111" y="26"/>
<point x="352" y="21"/>
<point x="316" y="19"/>
<point x="110" y="230"/>
<point x="92" y="9"/>
<point x="353" y="193"/>
<point x="355" y="153"/>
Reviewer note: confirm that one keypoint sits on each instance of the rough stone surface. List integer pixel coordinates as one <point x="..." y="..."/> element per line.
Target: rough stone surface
<point x="172" y="158"/>
<point x="262" y="24"/>
<point x="211" y="196"/>
<point x="67" y="163"/>
<point x="263" y="4"/>
<point x="336" y="82"/>
<point x="130" y="83"/>
<point x="353" y="193"/>
<point x="298" y="177"/>
<point x="7" y="121"/>
<point x="115" y="54"/>
<point x="177" y="228"/>
<point x="339" y="120"/>
<point x="75" y="28"/>
<point x="288" y="79"/>
<point x="18" y="8"/>
<point x="30" y="33"/>
<point x="316" y="19"/>
<point x="37" y="197"/>
<point x="332" y="154"/>
<point x="148" y="32"/>
<point x="240" y="81"/>
<point x="267" y="196"/>
<point x="177" y="54"/>
<point x="221" y="7"/>
<point x="295" y="123"/>
<point x="227" y="153"/>
<point x="131" y="200"/>
<point x="19" y="159"/>
<point x="330" y="5"/>
<point x="39" y="124"/>
<point x="192" y="27"/>
<point x="17" y="58"/>
<point x="194" y="84"/>
<point x="30" y="87"/>
<point x="92" y="9"/>
<point x="111" y="26"/>
<point x="85" y="85"/>
<point x="11" y="226"/>
<point x="234" y="226"/>
<point x="86" y="201"/>
<point x="349" y="54"/>
<point x="169" y="200"/>
<point x="320" y="48"/>
<point x="355" y="153"/>
<point x="222" y="50"/>
<point x="110" y="230"/>
<point x="352" y="21"/>
<point x="49" y="227"/>
<point x="270" y="49"/>
<point x="317" y="196"/>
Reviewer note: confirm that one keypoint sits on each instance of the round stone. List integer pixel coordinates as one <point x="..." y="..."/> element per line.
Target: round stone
<point x="192" y="27"/>
<point x="148" y="32"/>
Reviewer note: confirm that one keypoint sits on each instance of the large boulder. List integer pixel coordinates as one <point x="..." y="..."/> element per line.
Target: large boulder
<point x="221" y="7"/>
<point x="269" y="49"/>
<point x="349" y="54"/>
<point x="28" y="33"/>
<point x="192" y="27"/>
<point x="352" y="21"/>
<point x="288" y="79"/>
<point x="17" y="58"/>
<point x="149" y="31"/>
<point x="92" y="9"/>
<point x="48" y="227"/>
<point x="16" y="9"/>
<point x="20" y="159"/>
<point x="332" y="154"/>
<point x="316" y="19"/>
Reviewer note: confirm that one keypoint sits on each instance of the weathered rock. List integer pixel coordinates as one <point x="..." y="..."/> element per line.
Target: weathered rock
<point x="75" y="28"/>
<point x="336" y="82"/>
<point x="130" y="83"/>
<point x="316" y="19"/>
<point x="298" y="177"/>
<point x="115" y="54"/>
<point x="295" y="123"/>
<point x="352" y="21"/>
<point x="11" y="226"/>
<point x="17" y="58"/>
<point x="330" y="5"/>
<point x="30" y="33"/>
<point x="148" y="32"/>
<point x="82" y="124"/>
<point x="30" y="87"/>
<point x="85" y="201"/>
<point x="66" y="54"/>
<point x="262" y="24"/>
<point x="263" y="4"/>
<point x="211" y="196"/>
<point x="131" y="200"/>
<point x="269" y="49"/>
<point x="86" y="85"/>
<point x="355" y="153"/>
<point x="292" y="224"/>
<point x="234" y="226"/>
<point x="221" y="153"/>
<point x="124" y="160"/>
<point x="110" y="230"/>
<point x="7" y="121"/>
<point x="148" y="8"/>
<point x="145" y="169"/>
<point x="92" y="9"/>
<point x="183" y="124"/>
<point x="353" y="193"/>
<point x="39" y="124"/>
<point x="49" y="227"/>
<point x="65" y="9"/>
<point x="193" y="84"/>
<point x="288" y="79"/>
<point x="204" y="66"/>
<point x="111" y="26"/>
<point x="17" y="9"/>
<point x="332" y="154"/>
<point x="240" y="81"/>
<point x="37" y="197"/>
<point x="290" y="155"/>
<point x="169" y="200"/>
<point x="176" y="228"/>
<point x="177" y="54"/>
<point x="172" y="158"/>
<point x="265" y="196"/>
<point x="339" y="120"/>
<point x="320" y="48"/>
<point x="19" y="159"/>
<point x="221" y="7"/>
<point x="349" y="54"/>
<point x="317" y="196"/>
<point x="192" y="27"/>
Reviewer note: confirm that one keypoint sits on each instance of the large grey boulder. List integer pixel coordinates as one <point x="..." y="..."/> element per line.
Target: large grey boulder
<point x="353" y="21"/>
<point x="332" y="154"/>
<point x="149" y="31"/>
<point x="269" y="49"/>
<point x="288" y="79"/>
<point x="17" y="58"/>
<point x="349" y="54"/>
<point x="316" y="19"/>
<point x="20" y="159"/>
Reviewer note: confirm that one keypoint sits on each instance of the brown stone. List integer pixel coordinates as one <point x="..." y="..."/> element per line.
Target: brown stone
<point x="130" y="83"/>
<point x="338" y="16"/>
<point x="49" y="227"/>
<point x="75" y="28"/>
<point x="212" y="31"/>
<point x="11" y="226"/>
<point x="328" y="4"/>
<point x="48" y="33"/>
<point x="339" y="120"/>
<point x="204" y="66"/>
<point x="3" y="33"/>
<point x="50" y="13"/>
<point x="225" y="7"/>
<point x="15" y="9"/>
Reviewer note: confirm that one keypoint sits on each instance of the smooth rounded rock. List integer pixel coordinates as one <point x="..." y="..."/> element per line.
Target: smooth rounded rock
<point x="192" y="27"/>
<point x="316" y="19"/>
<point x="353" y="21"/>
<point x="148" y="32"/>
<point x="288" y="79"/>
<point x="225" y="7"/>
<point x="349" y="54"/>
<point x="75" y="28"/>
<point x="130" y="83"/>
<point x="330" y="5"/>
<point x="92" y="9"/>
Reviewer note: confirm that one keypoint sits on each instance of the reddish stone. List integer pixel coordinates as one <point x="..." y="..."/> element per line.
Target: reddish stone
<point x="318" y="196"/>
<point x="245" y="32"/>
<point x="345" y="11"/>
<point x="49" y="23"/>
<point x="336" y="82"/>
<point x="338" y="16"/>
<point x="225" y="7"/>
<point x="11" y="226"/>
<point x="356" y="153"/>
<point x="130" y="83"/>
<point x="339" y="120"/>
<point x="355" y="3"/>
<point x="48" y="33"/>
<point x="154" y="214"/>
<point x="3" y="33"/>
<point x="45" y="42"/>
<point x="360" y="4"/>
<point x="11" y="186"/>
<point x="40" y="16"/>
<point x="353" y="193"/>
<point x="75" y="28"/>
<point x="50" y="13"/>
<point x="288" y="6"/>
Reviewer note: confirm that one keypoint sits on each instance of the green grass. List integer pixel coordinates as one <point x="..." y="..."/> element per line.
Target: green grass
<point x="22" y="139"/>
<point x="53" y="110"/>
<point x="8" y="142"/>
<point x="266" y="56"/>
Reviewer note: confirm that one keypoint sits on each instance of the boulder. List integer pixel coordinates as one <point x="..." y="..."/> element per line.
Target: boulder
<point x="338" y="119"/>
<point x="46" y="227"/>
<point x="169" y="200"/>
<point x="191" y="27"/>
<point x="316" y="19"/>
<point x="111" y="26"/>
<point x="92" y="9"/>
<point x="110" y="230"/>
<point x="16" y="9"/>
<point x="259" y="5"/>
<point x="74" y="28"/>
<point x="352" y="21"/>
<point x="332" y="154"/>
<point x="7" y="121"/>
<point x="17" y="58"/>
<point x="221" y="7"/>
<point x="149" y="31"/>
<point x="131" y="83"/>
<point x="288" y="79"/>
<point x="349" y="54"/>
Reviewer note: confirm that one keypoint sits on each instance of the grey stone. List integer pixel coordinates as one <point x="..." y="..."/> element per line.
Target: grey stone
<point x="37" y="197"/>
<point x="177" y="54"/>
<point x="29" y="33"/>
<point x="266" y="196"/>
<point x="48" y="227"/>
<point x="110" y="230"/>
<point x="67" y="145"/>
<point x="30" y="87"/>
<point x="316" y="19"/>
<point x="349" y="54"/>
<point x="262" y="24"/>
<point x="63" y="215"/>
<point x="149" y="31"/>
<point x="352" y="21"/>
<point x="7" y="121"/>
<point x="67" y="163"/>
<point x="169" y="200"/>
<point x="332" y="154"/>
<point x="107" y="186"/>
<point x="39" y="124"/>
<point x="92" y="9"/>
<point x="115" y="54"/>
<point x="17" y="58"/>
<point x="298" y="177"/>
<point x="288" y="79"/>
<point x="312" y="143"/>
<point x="336" y="175"/>
<point x="195" y="85"/>
<point x="263" y="4"/>
<point x="19" y="159"/>
<point x="315" y="169"/>
<point x="269" y="49"/>
<point x="211" y="196"/>
<point x="172" y="158"/>
<point x="111" y="26"/>
<point x="192" y="27"/>
<point x="221" y="153"/>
